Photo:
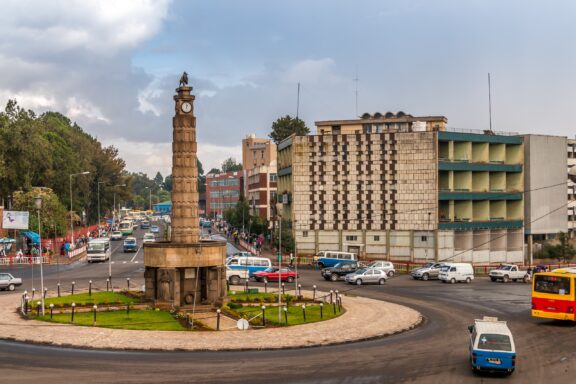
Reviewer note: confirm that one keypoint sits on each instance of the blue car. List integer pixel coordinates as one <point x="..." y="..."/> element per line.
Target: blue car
<point x="155" y="229"/>
<point x="492" y="346"/>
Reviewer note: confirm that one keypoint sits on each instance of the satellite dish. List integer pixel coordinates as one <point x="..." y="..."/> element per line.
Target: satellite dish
<point x="242" y="324"/>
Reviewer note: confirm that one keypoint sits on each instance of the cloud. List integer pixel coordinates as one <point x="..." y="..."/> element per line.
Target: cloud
<point x="312" y="72"/>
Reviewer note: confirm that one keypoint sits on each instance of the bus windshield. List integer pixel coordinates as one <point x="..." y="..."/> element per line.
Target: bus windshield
<point x="96" y="247"/>
<point x="552" y="284"/>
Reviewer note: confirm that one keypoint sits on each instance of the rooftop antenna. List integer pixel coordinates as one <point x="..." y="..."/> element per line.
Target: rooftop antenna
<point x="489" y="103"/>
<point x="356" y="92"/>
<point x="298" y="102"/>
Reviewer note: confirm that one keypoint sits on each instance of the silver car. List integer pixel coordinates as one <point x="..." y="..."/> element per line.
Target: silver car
<point x="367" y="276"/>
<point x="427" y="272"/>
<point x="385" y="266"/>
<point x="9" y="282"/>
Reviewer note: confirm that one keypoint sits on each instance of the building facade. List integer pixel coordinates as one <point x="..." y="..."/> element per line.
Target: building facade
<point x="402" y="188"/>
<point x="223" y="191"/>
<point x="261" y="185"/>
<point x="571" y="160"/>
<point x="259" y="166"/>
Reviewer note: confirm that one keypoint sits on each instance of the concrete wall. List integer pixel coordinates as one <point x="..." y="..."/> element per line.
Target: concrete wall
<point x="545" y="168"/>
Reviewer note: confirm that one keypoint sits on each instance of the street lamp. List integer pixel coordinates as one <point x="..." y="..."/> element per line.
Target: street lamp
<point x="114" y="210"/>
<point x="38" y="203"/>
<point x="149" y="197"/>
<point x="71" y="212"/>
<point x="100" y="182"/>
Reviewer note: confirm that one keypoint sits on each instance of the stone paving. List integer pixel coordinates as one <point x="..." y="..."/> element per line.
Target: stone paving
<point x="364" y="319"/>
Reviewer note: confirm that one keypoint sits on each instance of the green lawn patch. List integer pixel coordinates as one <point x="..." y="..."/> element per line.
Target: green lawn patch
<point x="295" y="314"/>
<point x="98" y="298"/>
<point x="149" y="320"/>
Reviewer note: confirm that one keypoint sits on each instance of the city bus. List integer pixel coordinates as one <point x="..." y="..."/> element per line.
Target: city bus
<point x="553" y="294"/>
<point x="98" y="250"/>
<point x="126" y="227"/>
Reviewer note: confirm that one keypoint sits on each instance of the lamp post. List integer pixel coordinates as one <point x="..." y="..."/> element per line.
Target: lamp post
<point x="149" y="197"/>
<point x="114" y="210"/>
<point x="38" y="203"/>
<point x="71" y="212"/>
<point x="100" y="182"/>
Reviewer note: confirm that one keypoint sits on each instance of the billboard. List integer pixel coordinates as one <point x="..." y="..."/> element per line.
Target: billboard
<point x="15" y="219"/>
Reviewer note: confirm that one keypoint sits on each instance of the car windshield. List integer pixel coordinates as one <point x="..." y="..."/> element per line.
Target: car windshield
<point x="148" y="236"/>
<point x="361" y="271"/>
<point x="445" y="268"/>
<point x="130" y="242"/>
<point x="271" y="269"/>
<point x="495" y="342"/>
<point x="117" y="233"/>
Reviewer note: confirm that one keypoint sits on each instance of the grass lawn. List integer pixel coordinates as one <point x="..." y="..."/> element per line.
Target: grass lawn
<point x="141" y="320"/>
<point x="97" y="298"/>
<point x="295" y="314"/>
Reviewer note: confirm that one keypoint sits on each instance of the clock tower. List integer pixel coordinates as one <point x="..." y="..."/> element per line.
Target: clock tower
<point x="184" y="271"/>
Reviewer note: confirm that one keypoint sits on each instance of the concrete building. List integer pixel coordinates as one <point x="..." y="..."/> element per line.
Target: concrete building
<point x="261" y="190"/>
<point x="257" y="152"/>
<point x="571" y="159"/>
<point x="259" y="166"/>
<point x="403" y="188"/>
<point x="223" y="192"/>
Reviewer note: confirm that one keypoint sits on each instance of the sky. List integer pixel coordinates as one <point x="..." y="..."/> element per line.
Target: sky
<point x="113" y="66"/>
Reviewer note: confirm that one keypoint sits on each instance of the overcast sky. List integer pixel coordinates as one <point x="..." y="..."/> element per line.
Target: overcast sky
<point x="113" y="66"/>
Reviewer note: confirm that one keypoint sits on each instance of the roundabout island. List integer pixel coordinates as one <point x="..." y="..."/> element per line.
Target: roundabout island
<point x="360" y="319"/>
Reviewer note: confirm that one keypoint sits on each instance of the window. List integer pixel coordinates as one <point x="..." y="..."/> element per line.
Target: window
<point x="552" y="284"/>
<point x="304" y="233"/>
<point x="424" y="238"/>
<point x="494" y="342"/>
<point x="335" y="129"/>
<point x="351" y="238"/>
<point x="273" y="177"/>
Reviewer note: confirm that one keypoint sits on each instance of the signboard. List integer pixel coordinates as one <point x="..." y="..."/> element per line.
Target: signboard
<point x="15" y="219"/>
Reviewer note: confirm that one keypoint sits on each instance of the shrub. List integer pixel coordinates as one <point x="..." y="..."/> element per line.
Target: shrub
<point x="235" y="305"/>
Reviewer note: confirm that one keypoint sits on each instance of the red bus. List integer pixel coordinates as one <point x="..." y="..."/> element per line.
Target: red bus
<point x="553" y="294"/>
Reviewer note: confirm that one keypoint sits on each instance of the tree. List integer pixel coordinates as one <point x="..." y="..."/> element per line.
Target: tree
<point x="52" y="214"/>
<point x="230" y="165"/>
<point x="215" y="171"/>
<point x="168" y="183"/>
<point x="286" y="126"/>
<point x="159" y="180"/>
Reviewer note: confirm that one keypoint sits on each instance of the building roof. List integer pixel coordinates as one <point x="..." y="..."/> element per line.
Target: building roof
<point x="167" y="202"/>
<point x="379" y="118"/>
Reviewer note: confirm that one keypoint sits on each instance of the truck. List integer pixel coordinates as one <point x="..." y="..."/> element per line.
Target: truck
<point x="507" y="272"/>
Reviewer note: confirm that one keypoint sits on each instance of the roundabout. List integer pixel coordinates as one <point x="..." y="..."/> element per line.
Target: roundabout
<point x="363" y="319"/>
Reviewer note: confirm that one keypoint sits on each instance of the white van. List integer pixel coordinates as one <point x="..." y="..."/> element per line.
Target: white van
<point x="326" y="259"/>
<point x="457" y="272"/>
<point x="98" y="250"/>
<point x="251" y="264"/>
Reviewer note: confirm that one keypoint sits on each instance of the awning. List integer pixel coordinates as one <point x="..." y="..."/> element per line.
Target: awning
<point x="32" y="236"/>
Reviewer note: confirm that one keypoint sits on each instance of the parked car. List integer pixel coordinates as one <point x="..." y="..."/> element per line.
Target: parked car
<point x="116" y="235"/>
<point x="154" y="229"/>
<point x="273" y="274"/>
<point x="385" y="266"/>
<point x="339" y="270"/>
<point x="148" y="238"/>
<point x="130" y="244"/>
<point x="427" y="272"/>
<point x="507" y="272"/>
<point x="9" y="282"/>
<point x="367" y="276"/>
<point x="457" y="272"/>
<point x="492" y="347"/>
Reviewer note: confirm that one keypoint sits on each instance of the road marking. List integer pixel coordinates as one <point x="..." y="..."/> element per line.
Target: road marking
<point x="136" y="254"/>
<point x="124" y="262"/>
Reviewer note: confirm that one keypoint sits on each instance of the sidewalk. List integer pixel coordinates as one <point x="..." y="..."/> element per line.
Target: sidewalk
<point x="364" y="319"/>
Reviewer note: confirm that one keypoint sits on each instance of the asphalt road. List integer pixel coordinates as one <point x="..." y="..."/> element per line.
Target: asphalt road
<point x="435" y="352"/>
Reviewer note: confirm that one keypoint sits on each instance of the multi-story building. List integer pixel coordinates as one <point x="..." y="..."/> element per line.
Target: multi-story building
<point x="261" y="190"/>
<point x="223" y="191"/>
<point x="545" y="188"/>
<point x="571" y="143"/>
<point x="257" y="152"/>
<point x="403" y="188"/>
<point x="259" y="166"/>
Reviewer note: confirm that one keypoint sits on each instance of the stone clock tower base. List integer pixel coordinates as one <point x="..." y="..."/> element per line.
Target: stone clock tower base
<point x="185" y="271"/>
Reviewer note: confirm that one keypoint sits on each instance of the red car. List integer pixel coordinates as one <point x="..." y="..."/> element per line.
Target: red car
<point x="271" y="274"/>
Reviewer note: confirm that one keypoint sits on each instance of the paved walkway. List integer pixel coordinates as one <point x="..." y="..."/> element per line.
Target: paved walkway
<point x="364" y="319"/>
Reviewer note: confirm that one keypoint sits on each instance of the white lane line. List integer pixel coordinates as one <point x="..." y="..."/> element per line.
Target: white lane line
<point x="136" y="254"/>
<point x="124" y="262"/>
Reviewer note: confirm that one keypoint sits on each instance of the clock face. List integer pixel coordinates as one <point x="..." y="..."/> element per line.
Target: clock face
<point x="186" y="107"/>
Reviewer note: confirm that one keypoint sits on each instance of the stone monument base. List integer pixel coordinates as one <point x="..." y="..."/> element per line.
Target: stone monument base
<point x="184" y="275"/>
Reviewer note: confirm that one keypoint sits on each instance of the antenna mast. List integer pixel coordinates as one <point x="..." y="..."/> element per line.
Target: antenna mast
<point x="356" y="91"/>
<point x="298" y="102"/>
<point x="489" y="102"/>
